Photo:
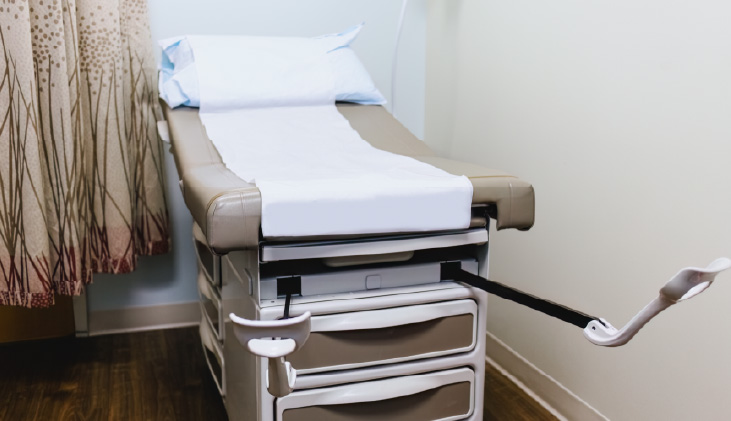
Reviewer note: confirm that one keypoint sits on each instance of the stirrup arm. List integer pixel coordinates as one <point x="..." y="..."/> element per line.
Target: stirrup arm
<point x="686" y="284"/>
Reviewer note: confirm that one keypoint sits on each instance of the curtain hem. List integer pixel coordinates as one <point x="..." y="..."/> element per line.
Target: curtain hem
<point x="27" y="299"/>
<point x="152" y="248"/>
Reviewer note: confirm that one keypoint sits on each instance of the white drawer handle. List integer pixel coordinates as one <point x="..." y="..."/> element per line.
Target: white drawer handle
<point x="274" y="340"/>
<point x="399" y="316"/>
<point x="378" y="390"/>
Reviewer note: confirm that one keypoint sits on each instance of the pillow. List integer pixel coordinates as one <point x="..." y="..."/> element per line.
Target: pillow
<point x="178" y="82"/>
<point x="176" y="53"/>
<point x="179" y="88"/>
<point x="352" y="81"/>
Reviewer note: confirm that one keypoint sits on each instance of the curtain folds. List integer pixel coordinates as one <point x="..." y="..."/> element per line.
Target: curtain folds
<point x="81" y="167"/>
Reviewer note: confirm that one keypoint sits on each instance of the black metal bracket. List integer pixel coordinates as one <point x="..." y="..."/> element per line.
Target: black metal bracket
<point x="452" y="271"/>
<point x="289" y="286"/>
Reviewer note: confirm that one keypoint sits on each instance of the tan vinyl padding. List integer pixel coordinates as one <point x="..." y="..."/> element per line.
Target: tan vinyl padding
<point x="451" y="400"/>
<point x="380" y="129"/>
<point x="228" y="209"/>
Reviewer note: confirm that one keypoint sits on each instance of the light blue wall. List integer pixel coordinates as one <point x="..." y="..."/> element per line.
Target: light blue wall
<point x="171" y="278"/>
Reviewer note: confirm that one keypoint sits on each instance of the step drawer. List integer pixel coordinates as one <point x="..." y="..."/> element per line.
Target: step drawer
<point x="214" y="356"/>
<point x="206" y="259"/>
<point x="211" y="308"/>
<point x="367" y="338"/>
<point x="362" y="279"/>
<point x="444" y="396"/>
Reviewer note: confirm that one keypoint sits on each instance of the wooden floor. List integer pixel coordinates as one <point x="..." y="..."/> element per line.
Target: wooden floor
<point x="504" y="401"/>
<point x="159" y="375"/>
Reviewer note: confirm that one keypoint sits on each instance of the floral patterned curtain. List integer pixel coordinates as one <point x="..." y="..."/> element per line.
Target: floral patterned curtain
<point x="81" y="167"/>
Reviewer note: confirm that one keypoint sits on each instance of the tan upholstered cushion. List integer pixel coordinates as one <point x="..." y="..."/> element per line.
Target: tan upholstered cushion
<point x="228" y="209"/>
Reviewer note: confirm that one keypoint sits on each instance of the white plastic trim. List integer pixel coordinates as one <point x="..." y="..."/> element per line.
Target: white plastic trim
<point x="379" y="390"/>
<point x="201" y="267"/>
<point x="264" y="324"/>
<point x="206" y="290"/>
<point x="686" y="284"/>
<point x="293" y="333"/>
<point x="203" y="284"/>
<point x="375" y="319"/>
<point x="271" y="349"/>
<point x="337" y="303"/>
<point x="208" y="340"/>
<point x="295" y="251"/>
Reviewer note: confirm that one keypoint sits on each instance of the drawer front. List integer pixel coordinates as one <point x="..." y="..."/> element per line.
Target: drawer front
<point x="214" y="356"/>
<point x="210" y="305"/>
<point x="366" y="338"/>
<point x="206" y="259"/>
<point x="234" y="269"/>
<point x="363" y="279"/>
<point x="382" y="245"/>
<point x="446" y="395"/>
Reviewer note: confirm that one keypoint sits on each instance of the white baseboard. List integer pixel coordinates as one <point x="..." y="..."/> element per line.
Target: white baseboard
<point x="136" y="319"/>
<point x="548" y="392"/>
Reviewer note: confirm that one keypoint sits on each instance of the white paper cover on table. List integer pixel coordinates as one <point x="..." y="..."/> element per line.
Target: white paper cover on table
<point x="275" y="124"/>
<point x="318" y="177"/>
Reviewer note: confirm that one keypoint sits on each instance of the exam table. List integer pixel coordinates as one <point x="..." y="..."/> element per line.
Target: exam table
<point x="349" y="327"/>
<point x="227" y="209"/>
<point x="385" y="331"/>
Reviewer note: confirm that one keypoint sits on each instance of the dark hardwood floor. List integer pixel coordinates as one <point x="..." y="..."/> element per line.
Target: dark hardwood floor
<point x="504" y="401"/>
<point x="159" y="375"/>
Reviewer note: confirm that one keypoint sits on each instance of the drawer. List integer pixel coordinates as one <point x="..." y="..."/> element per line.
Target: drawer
<point x="211" y="307"/>
<point x="214" y="356"/>
<point x="206" y="259"/>
<point x="235" y="269"/>
<point x="271" y="252"/>
<point x="445" y="395"/>
<point x="366" y="338"/>
<point x="361" y="278"/>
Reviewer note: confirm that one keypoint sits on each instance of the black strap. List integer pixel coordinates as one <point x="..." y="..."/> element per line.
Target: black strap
<point x="453" y="271"/>
<point x="289" y="286"/>
<point x="287" y="301"/>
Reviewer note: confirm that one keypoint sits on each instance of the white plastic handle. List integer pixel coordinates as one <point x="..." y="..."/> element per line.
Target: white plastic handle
<point x="379" y="390"/>
<point x="274" y="339"/>
<point x="688" y="283"/>
<point x="296" y="328"/>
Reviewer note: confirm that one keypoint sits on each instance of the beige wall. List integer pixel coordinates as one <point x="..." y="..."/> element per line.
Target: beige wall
<point x="619" y="112"/>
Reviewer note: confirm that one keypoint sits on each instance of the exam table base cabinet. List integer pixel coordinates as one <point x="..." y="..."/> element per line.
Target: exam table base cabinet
<point x="413" y="352"/>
